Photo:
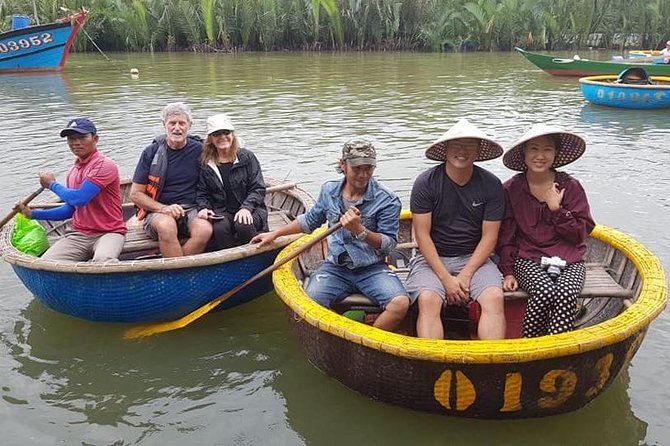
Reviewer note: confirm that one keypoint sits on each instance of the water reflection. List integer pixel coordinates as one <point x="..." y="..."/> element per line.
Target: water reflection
<point x="87" y="374"/>
<point x="626" y="121"/>
<point x="39" y="87"/>
<point x="349" y="417"/>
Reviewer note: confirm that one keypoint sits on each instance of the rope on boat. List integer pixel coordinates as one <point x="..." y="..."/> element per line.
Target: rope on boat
<point x="95" y="44"/>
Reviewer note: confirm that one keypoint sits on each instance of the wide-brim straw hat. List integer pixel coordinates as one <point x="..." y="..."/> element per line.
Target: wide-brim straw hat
<point x="488" y="148"/>
<point x="569" y="148"/>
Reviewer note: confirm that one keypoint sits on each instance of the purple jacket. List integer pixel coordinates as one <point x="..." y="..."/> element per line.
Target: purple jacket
<point x="530" y="230"/>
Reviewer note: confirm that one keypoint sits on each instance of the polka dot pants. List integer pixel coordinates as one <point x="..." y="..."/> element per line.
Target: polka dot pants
<point x="551" y="305"/>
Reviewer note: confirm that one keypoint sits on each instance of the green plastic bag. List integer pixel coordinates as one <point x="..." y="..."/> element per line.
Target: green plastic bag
<point x="29" y="236"/>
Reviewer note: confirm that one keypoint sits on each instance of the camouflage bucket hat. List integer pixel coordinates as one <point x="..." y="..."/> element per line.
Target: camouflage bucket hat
<point x="358" y="152"/>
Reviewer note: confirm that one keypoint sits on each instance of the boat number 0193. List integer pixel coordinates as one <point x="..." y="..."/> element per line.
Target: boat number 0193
<point x="23" y="44"/>
<point x="556" y="386"/>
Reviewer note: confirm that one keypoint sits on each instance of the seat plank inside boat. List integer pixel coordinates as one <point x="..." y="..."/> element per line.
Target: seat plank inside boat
<point x="599" y="284"/>
<point x="137" y="239"/>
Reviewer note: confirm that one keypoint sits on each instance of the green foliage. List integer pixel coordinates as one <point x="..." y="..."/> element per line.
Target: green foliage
<point x="433" y="25"/>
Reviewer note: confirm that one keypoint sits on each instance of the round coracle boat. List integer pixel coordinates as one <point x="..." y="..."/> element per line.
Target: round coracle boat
<point x="608" y="90"/>
<point x="644" y="53"/>
<point x="512" y="378"/>
<point x="142" y="286"/>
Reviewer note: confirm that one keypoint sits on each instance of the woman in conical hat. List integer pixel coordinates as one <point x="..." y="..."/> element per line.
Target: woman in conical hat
<point x="542" y="239"/>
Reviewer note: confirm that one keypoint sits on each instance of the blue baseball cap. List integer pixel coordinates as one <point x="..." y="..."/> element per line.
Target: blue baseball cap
<point x="79" y="125"/>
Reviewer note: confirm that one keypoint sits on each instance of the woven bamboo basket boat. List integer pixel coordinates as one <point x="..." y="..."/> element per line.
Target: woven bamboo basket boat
<point x="605" y="90"/>
<point x="142" y="286"/>
<point x="512" y="378"/>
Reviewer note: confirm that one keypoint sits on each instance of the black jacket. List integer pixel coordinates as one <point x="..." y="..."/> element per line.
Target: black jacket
<point x="246" y="181"/>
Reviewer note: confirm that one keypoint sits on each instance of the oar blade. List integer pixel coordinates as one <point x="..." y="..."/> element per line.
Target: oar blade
<point x="161" y="327"/>
<point x="144" y="331"/>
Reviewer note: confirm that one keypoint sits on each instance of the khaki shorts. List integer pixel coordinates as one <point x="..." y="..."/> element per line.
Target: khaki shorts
<point x="182" y="224"/>
<point x="421" y="276"/>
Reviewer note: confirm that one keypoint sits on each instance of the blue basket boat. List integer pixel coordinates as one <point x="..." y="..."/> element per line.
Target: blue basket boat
<point x="144" y="287"/>
<point x="606" y="90"/>
<point x="41" y="47"/>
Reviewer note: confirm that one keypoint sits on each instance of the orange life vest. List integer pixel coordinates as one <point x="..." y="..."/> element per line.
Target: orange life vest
<point x="157" y="171"/>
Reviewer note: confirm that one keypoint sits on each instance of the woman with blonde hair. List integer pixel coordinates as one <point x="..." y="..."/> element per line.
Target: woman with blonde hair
<point x="231" y="189"/>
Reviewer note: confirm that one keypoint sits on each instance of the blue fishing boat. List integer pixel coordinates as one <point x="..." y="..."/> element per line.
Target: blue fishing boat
<point x="613" y="91"/>
<point x="40" y="47"/>
<point x="144" y="287"/>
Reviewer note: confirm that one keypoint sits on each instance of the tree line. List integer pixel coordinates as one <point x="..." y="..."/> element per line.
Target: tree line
<point x="420" y="25"/>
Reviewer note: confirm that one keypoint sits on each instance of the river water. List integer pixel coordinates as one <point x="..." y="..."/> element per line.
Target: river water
<point x="238" y="377"/>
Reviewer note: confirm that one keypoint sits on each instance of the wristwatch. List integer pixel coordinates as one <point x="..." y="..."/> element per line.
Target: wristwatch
<point x="363" y="235"/>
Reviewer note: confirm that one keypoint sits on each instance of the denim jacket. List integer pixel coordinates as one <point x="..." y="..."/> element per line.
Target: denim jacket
<point x="380" y="212"/>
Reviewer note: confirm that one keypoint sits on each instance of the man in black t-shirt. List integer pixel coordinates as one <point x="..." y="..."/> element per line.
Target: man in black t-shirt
<point x="456" y="209"/>
<point x="164" y="186"/>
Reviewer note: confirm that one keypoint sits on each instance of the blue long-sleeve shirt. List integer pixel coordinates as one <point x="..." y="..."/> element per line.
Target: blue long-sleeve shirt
<point x="73" y="198"/>
<point x="380" y="212"/>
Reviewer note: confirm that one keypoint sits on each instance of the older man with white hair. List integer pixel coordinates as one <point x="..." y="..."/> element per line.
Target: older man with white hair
<point x="164" y="186"/>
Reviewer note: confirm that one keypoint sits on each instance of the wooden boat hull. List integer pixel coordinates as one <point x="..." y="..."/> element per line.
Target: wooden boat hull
<point x="602" y="90"/>
<point x="152" y="289"/>
<point x="511" y="378"/>
<point x="41" y="47"/>
<point x="583" y="67"/>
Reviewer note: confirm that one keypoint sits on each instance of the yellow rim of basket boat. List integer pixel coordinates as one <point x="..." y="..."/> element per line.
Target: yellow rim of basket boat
<point x="613" y="77"/>
<point x="636" y="318"/>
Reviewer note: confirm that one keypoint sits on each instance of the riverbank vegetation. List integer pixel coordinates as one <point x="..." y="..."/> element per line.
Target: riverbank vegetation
<point x="422" y="25"/>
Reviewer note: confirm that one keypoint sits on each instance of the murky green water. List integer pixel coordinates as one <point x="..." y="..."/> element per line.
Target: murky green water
<point x="238" y="377"/>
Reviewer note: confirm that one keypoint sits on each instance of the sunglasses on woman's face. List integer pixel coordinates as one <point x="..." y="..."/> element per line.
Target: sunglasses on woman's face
<point x="221" y="133"/>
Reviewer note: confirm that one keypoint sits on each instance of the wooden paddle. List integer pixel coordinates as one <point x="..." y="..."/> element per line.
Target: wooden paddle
<point x="25" y="202"/>
<point x="160" y="327"/>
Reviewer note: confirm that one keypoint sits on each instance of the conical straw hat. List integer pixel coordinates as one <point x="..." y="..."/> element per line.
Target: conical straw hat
<point x="570" y="147"/>
<point x="488" y="148"/>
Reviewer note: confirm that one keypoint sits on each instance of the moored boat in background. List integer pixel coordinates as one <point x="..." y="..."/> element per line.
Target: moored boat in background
<point x="144" y="287"/>
<point x="625" y="290"/>
<point x="643" y="53"/>
<point x="577" y="66"/>
<point x="41" y="47"/>
<point x="606" y="90"/>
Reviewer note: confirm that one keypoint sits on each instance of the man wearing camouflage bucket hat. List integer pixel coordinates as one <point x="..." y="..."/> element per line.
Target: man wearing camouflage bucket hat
<point x="456" y="212"/>
<point x="542" y="240"/>
<point x="370" y="217"/>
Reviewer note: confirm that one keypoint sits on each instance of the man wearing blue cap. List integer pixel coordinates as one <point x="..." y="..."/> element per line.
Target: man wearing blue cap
<point x="92" y="198"/>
